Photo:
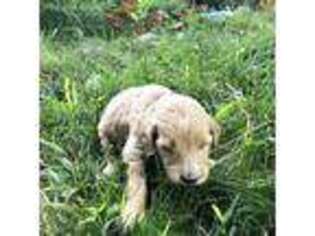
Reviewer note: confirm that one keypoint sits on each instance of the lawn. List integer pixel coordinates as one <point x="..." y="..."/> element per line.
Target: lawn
<point x="227" y="65"/>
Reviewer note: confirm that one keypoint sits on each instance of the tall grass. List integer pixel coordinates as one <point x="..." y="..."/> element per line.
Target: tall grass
<point x="227" y="66"/>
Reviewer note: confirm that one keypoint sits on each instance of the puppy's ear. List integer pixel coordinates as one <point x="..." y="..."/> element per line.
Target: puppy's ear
<point x="215" y="131"/>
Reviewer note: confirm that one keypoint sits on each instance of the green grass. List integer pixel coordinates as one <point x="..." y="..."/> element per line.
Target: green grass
<point x="227" y="66"/>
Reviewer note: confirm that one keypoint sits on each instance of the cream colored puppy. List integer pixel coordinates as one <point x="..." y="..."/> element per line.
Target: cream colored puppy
<point x="151" y="120"/>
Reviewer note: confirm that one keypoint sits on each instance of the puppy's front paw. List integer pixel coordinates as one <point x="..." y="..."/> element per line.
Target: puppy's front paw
<point x="131" y="215"/>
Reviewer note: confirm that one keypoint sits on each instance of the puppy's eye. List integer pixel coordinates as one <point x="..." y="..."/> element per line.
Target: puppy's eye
<point x="165" y="148"/>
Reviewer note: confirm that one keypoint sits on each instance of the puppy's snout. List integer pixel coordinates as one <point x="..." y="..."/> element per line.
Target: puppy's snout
<point x="189" y="179"/>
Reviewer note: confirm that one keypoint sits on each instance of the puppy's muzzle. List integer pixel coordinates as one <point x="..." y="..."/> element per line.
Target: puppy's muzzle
<point x="189" y="179"/>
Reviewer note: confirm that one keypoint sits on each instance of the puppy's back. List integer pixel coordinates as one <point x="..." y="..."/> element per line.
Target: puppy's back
<point x="125" y="108"/>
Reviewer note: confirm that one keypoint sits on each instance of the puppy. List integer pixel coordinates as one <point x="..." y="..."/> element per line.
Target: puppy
<point x="153" y="120"/>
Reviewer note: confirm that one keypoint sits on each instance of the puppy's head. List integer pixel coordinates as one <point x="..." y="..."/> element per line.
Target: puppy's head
<point x="183" y="138"/>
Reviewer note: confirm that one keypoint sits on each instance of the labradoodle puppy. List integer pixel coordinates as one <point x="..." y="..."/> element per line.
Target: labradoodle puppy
<point x="151" y="120"/>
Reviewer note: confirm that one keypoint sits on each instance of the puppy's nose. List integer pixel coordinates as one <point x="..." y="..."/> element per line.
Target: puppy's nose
<point x="188" y="179"/>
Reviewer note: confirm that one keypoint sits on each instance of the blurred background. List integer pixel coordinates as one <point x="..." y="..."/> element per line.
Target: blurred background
<point x="219" y="52"/>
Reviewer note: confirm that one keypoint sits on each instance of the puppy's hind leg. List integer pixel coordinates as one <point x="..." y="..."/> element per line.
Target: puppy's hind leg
<point x="110" y="167"/>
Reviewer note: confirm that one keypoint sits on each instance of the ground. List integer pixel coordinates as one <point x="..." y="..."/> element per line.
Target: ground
<point x="227" y="65"/>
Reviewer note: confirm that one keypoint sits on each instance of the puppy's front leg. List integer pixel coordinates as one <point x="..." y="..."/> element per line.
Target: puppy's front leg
<point x="136" y="192"/>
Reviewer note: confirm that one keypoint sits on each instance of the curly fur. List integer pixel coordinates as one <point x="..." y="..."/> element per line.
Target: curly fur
<point x="150" y="120"/>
